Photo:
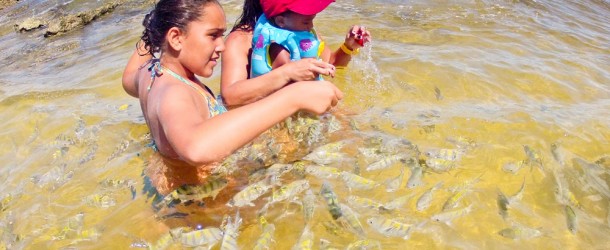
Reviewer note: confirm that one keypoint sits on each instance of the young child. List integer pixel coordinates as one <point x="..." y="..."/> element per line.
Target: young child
<point x="285" y="32"/>
<point x="191" y="131"/>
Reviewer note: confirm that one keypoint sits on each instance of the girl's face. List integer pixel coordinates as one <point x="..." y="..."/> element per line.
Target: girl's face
<point x="295" y="22"/>
<point x="204" y="41"/>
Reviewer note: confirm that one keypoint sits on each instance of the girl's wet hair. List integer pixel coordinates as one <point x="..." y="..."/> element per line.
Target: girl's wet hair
<point x="249" y="15"/>
<point x="168" y="14"/>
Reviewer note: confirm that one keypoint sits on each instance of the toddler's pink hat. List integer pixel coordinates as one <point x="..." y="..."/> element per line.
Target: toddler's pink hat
<point x="273" y="8"/>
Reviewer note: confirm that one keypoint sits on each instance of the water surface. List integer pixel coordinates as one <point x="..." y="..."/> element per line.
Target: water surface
<point x="492" y="79"/>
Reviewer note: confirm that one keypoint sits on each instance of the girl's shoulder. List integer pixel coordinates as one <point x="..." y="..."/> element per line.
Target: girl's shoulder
<point x="239" y="36"/>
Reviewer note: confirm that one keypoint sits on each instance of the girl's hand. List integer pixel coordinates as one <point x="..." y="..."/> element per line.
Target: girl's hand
<point x="316" y="97"/>
<point x="356" y="37"/>
<point x="307" y="69"/>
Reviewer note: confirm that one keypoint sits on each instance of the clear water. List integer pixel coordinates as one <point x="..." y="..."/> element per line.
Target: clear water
<point x="499" y="75"/>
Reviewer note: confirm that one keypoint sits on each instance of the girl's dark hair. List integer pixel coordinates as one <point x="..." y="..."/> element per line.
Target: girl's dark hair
<point x="251" y="12"/>
<point x="168" y="14"/>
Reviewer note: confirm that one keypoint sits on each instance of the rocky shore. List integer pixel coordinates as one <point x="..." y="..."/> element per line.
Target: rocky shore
<point x="7" y="3"/>
<point x="68" y="22"/>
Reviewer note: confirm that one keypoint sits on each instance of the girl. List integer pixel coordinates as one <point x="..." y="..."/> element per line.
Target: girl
<point x="192" y="132"/>
<point x="239" y="88"/>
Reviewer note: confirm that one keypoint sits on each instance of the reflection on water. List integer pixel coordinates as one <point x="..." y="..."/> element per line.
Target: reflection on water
<point x="466" y="124"/>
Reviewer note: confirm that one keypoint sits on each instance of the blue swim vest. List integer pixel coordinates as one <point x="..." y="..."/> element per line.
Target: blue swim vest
<point x="300" y="44"/>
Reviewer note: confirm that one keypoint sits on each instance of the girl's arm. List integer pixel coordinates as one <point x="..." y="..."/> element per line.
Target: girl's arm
<point x="130" y="83"/>
<point x="199" y="140"/>
<point x="237" y="89"/>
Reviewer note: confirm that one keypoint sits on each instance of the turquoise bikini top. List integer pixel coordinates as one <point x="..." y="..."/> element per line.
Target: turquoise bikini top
<point x="215" y="105"/>
<point x="300" y="44"/>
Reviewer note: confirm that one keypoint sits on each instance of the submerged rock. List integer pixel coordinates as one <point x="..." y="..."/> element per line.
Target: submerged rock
<point x="70" y="22"/>
<point x="7" y="3"/>
<point x="29" y="24"/>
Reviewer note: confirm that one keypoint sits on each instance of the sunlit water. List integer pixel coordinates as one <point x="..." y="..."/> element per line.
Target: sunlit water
<point x="506" y="84"/>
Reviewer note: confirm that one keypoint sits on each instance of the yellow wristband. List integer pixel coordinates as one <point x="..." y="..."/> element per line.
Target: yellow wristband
<point x="348" y="51"/>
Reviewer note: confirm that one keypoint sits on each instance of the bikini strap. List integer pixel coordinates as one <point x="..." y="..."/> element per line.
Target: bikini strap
<point x="155" y="70"/>
<point x="214" y="107"/>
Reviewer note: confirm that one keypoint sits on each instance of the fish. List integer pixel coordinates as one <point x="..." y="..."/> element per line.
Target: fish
<point x="100" y="200"/>
<point x="385" y="162"/>
<point x="520" y="232"/>
<point x="437" y="93"/>
<point x="462" y="142"/>
<point x="448" y="216"/>
<point x="350" y="220"/>
<point x="502" y="202"/>
<point x="290" y="190"/>
<point x="445" y="154"/>
<point x="571" y="219"/>
<point x="333" y="228"/>
<point x="415" y="179"/>
<point x="440" y="165"/>
<point x="593" y="174"/>
<point x="186" y="193"/>
<point x="298" y="169"/>
<point x="425" y="199"/>
<point x="454" y="199"/>
<point x="608" y="215"/>
<point x="563" y="194"/>
<point x="250" y="193"/>
<point x="533" y="158"/>
<point x="6" y="201"/>
<point x="466" y="184"/>
<point x="117" y="183"/>
<point x="333" y="125"/>
<point x="309" y="205"/>
<point x="314" y="133"/>
<point x="397" y="202"/>
<point x="322" y="171"/>
<point x="305" y="241"/>
<point x="362" y="202"/>
<point x="168" y="239"/>
<point x="203" y="237"/>
<point x="325" y="158"/>
<point x="331" y="147"/>
<point x="326" y="245"/>
<point x="558" y="153"/>
<point x="566" y="197"/>
<point x="513" y="167"/>
<point x="519" y="194"/>
<point x="70" y="230"/>
<point x="373" y="153"/>
<point x="331" y="200"/>
<point x="354" y="125"/>
<point x="389" y="227"/>
<point x="364" y="244"/>
<point x="354" y="181"/>
<point x="119" y="150"/>
<point x="89" y="234"/>
<point x="278" y="169"/>
<point x="76" y="222"/>
<point x="394" y="184"/>
<point x="230" y="232"/>
<point x="265" y="240"/>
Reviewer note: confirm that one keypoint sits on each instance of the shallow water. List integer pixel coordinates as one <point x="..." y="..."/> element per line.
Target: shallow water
<point x="487" y="78"/>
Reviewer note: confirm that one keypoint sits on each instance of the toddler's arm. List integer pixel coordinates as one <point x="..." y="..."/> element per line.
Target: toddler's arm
<point x="355" y="39"/>
<point x="279" y="55"/>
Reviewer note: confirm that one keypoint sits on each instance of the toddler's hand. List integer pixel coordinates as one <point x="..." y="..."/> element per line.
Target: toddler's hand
<point x="356" y="37"/>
